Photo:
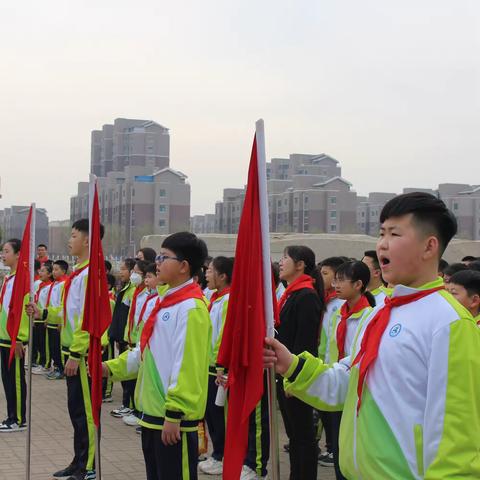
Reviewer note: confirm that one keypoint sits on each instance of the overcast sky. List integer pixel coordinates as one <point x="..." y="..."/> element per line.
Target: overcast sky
<point x="391" y="89"/>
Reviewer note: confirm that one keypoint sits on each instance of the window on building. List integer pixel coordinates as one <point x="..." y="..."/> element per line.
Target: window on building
<point x="333" y="214"/>
<point x="333" y="228"/>
<point x="279" y="203"/>
<point x="162" y="193"/>
<point x="162" y="208"/>
<point x="455" y="205"/>
<point x="296" y="201"/>
<point x="305" y="200"/>
<point x="285" y="202"/>
<point x="161" y="223"/>
<point x="333" y="200"/>
<point x="363" y="214"/>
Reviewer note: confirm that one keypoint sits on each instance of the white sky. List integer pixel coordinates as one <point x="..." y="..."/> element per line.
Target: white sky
<point x="390" y="89"/>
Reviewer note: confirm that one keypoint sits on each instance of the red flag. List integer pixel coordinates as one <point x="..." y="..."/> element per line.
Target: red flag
<point x="22" y="286"/>
<point x="245" y="328"/>
<point x="97" y="313"/>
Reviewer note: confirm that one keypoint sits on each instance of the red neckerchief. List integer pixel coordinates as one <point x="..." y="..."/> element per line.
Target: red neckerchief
<point x="330" y="295"/>
<point x="61" y="279"/>
<point x="111" y="295"/>
<point x="4" y="286"/>
<point x="66" y="290"/>
<point x="144" y="307"/>
<point x="216" y="296"/>
<point x="374" y="332"/>
<point x="40" y="288"/>
<point x="303" y="281"/>
<point x="43" y="259"/>
<point x="192" y="290"/>
<point x="133" y="307"/>
<point x="345" y="314"/>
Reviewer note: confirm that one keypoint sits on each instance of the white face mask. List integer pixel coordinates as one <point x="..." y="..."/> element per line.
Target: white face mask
<point x="136" y="278"/>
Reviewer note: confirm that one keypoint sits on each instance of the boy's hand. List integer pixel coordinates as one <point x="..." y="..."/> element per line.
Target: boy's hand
<point x="32" y="310"/>
<point x="276" y="355"/>
<point x="19" y="350"/>
<point x="170" y="433"/>
<point x="71" y="367"/>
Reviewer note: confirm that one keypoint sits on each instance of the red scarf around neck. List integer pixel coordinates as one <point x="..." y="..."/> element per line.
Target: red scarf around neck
<point x="66" y="290"/>
<point x="40" y="288"/>
<point x="4" y="286"/>
<point x="61" y="279"/>
<point x="303" y="281"/>
<point x="373" y="334"/>
<point x="133" y="307"/>
<point x="192" y="290"/>
<point x="217" y="295"/>
<point x="345" y="314"/>
<point x="330" y="295"/>
<point x="151" y="296"/>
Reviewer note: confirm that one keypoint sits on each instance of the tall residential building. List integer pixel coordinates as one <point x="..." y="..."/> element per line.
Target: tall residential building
<point x="13" y="220"/>
<point x="368" y="212"/>
<point x="139" y="194"/>
<point x="306" y="194"/>
<point x="129" y="142"/>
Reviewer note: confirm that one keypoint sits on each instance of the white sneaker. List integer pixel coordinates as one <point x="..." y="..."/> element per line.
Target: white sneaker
<point x="120" y="412"/>
<point x="39" y="370"/>
<point x="210" y="466"/>
<point x="249" y="474"/>
<point x="131" y="420"/>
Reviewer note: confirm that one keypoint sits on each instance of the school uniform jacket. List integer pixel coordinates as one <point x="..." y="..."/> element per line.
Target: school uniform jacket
<point x="331" y="309"/>
<point x="218" y="314"/>
<point x="75" y="341"/>
<point x="141" y="298"/>
<point x="172" y="373"/>
<point x="5" y="340"/>
<point x="55" y="307"/>
<point x="420" y="409"/>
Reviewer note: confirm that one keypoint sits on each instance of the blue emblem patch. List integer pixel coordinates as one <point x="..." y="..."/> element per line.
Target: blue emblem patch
<point x="166" y="316"/>
<point x="395" y="330"/>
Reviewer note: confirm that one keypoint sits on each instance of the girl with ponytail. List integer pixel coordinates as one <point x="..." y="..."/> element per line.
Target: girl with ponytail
<point x="301" y="307"/>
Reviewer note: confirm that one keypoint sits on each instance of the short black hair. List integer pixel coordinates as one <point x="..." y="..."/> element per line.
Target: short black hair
<point x="224" y="265"/>
<point x="83" y="226"/>
<point x="42" y="245"/>
<point x="149" y="254"/>
<point x="355" y="271"/>
<point x="151" y="268"/>
<point x="332" y="262"/>
<point x="442" y="265"/>
<point x="429" y="213"/>
<point x="15" y="243"/>
<point x="474" y="265"/>
<point x="187" y="246"/>
<point x="111" y="280"/>
<point x="373" y="255"/>
<point x="469" y="258"/>
<point x="468" y="279"/>
<point x="48" y="265"/>
<point x="453" y="268"/>
<point x="108" y="266"/>
<point x="62" y="264"/>
<point x="129" y="263"/>
<point x="142" y="266"/>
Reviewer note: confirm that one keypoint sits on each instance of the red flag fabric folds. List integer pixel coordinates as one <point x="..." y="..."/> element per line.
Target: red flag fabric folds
<point x="244" y="332"/>
<point x="97" y="312"/>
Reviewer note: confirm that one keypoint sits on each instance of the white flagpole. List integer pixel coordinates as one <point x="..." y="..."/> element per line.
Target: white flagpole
<point x="30" y="343"/>
<point x="267" y="289"/>
<point x="91" y="194"/>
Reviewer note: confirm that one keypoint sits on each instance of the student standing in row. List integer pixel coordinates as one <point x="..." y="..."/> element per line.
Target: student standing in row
<point x="417" y="362"/>
<point x="301" y="308"/>
<point x="465" y="287"/>
<point x="13" y="376"/>
<point x="376" y="286"/>
<point x="171" y="363"/>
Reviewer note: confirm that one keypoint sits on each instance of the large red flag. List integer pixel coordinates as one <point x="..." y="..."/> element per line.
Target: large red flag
<point x="97" y="313"/>
<point x="245" y="327"/>
<point x="22" y="285"/>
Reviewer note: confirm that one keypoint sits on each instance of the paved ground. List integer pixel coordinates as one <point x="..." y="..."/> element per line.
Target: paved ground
<point x="52" y="440"/>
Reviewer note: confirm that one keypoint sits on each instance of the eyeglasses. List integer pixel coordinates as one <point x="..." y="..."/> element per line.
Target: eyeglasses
<point x="162" y="258"/>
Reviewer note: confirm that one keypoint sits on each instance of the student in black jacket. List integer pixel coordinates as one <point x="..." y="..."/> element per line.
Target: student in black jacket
<point x="301" y="307"/>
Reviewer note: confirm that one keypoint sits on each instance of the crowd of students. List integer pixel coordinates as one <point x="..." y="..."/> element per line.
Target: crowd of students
<point x="377" y="355"/>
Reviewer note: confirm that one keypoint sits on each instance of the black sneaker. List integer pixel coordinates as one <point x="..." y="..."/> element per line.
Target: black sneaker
<point x="9" y="427"/>
<point x="66" y="472"/>
<point x="326" y="459"/>
<point x="138" y="430"/>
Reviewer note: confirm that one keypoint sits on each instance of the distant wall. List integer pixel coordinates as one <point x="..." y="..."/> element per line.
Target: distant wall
<point x="322" y="244"/>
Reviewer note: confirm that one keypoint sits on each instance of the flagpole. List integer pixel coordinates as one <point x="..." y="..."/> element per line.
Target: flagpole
<point x="30" y="344"/>
<point x="91" y="194"/>
<point x="267" y="293"/>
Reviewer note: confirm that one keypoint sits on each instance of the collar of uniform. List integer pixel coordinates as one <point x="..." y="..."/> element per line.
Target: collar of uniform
<point x="376" y="291"/>
<point x="402" y="290"/>
<point x="175" y="289"/>
<point x="80" y="265"/>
